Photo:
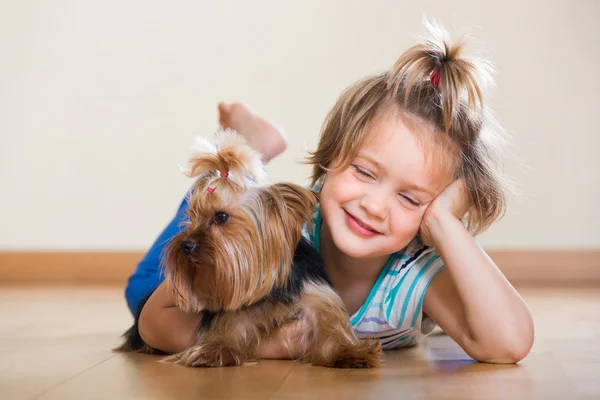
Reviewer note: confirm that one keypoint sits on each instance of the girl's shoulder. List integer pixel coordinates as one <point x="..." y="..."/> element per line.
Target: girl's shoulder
<point x="312" y="227"/>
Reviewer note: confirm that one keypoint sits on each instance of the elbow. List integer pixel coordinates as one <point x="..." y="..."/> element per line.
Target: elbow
<point x="510" y="354"/>
<point x="151" y="334"/>
<point x="503" y="353"/>
<point x="147" y="333"/>
<point x="513" y="348"/>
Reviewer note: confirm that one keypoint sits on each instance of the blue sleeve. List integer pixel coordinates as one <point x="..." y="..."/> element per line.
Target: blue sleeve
<point x="149" y="274"/>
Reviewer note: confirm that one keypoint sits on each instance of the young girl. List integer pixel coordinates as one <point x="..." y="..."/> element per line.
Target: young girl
<point x="407" y="172"/>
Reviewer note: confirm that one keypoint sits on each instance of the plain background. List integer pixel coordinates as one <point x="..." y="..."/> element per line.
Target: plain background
<point x="100" y="100"/>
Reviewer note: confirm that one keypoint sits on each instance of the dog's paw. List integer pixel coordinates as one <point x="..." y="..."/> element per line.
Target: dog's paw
<point x="206" y="356"/>
<point x="366" y="354"/>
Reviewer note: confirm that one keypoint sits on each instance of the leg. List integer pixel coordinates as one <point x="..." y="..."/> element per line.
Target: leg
<point x="148" y="274"/>
<point x="332" y="340"/>
<point x="262" y="135"/>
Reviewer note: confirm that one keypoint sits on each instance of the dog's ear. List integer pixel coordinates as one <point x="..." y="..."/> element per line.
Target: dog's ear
<point x="230" y="155"/>
<point x="298" y="201"/>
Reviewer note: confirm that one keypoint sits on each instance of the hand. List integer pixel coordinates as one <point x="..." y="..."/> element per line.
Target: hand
<point x="452" y="202"/>
<point x="261" y="135"/>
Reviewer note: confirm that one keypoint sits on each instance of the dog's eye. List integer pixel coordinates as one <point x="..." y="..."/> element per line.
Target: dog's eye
<point x="221" y="217"/>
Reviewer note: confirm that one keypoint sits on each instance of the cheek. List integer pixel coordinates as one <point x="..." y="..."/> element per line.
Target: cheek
<point x="406" y="223"/>
<point x="340" y="188"/>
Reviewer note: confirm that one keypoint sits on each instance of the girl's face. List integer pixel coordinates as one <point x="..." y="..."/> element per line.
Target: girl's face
<point x="375" y="206"/>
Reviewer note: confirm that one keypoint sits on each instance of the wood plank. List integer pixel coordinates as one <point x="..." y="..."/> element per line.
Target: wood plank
<point x="136" y="376"/>
<point x="549" y="267"/>
<point x="50" y="335"/>
<point x="55" y="344"/>
<point x="68" y="267"/>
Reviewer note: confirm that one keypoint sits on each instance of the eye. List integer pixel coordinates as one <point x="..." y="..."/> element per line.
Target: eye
<point x="221" y="217"/>
<point x="363" y="172"/>
<point x="411" y="201"/>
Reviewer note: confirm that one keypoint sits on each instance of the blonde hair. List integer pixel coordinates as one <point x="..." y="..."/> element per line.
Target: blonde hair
<point x="451" y="108"/>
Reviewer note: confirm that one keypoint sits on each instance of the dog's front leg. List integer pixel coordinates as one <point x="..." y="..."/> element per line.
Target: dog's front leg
<point x="209" y="352"/>
<point x="332" y="340"/>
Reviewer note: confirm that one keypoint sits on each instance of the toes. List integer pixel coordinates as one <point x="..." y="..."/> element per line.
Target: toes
<point x="224" y="114"/>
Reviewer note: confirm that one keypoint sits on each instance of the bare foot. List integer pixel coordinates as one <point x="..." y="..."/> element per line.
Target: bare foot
<point x="260" y="134"/>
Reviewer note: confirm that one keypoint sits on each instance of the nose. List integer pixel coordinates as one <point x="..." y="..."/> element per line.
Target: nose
<point x="187" y="247"/>
<point x="374" y="204"/>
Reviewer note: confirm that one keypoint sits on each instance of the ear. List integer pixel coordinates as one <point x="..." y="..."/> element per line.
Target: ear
<point x="298" y="201"/>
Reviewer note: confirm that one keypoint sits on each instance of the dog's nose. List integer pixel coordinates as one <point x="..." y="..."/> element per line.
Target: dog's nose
<point x="188" y="246"/>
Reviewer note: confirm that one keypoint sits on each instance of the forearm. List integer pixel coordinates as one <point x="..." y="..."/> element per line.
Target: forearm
<point x="496" y="317"/>
<point x="166" y="327"/>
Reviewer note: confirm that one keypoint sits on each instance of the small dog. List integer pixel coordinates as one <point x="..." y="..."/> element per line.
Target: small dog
<point x="242" y="263"/>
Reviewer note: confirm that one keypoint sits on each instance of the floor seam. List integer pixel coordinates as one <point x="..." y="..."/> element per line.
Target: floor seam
<point x="283" y="380"/>
<point x="47" y="390"/>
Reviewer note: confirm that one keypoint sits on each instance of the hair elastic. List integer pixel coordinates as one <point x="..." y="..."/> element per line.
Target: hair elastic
<point x="224" y="175"/>
<point x="434" y="78"/>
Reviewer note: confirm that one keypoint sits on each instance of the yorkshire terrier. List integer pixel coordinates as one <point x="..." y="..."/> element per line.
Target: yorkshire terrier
<point x="242" y="263"/>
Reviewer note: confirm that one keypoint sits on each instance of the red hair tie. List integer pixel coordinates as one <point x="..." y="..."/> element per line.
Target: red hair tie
<point x="224" y="175"/>
<point x="434" y="78"/>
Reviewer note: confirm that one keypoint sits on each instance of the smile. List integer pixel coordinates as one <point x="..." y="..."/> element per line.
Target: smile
<point x="358" y="226"/>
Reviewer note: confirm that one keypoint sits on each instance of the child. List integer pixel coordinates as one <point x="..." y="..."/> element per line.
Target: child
<point x="403" y="157"/>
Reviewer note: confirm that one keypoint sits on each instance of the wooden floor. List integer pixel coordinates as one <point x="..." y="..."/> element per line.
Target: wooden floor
<point x="55" y="344"/>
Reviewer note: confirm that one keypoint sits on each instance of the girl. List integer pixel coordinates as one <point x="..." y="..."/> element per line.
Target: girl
<point x="407" y="172"/>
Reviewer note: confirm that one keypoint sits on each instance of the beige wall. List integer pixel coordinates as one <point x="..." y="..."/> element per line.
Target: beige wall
<point x="99" y="101"/>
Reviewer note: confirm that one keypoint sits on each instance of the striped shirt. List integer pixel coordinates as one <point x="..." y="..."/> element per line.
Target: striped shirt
<point x="393" y="310"/>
